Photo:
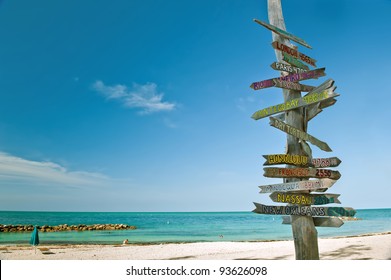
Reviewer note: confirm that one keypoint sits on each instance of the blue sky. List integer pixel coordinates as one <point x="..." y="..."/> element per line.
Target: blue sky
<point x="146" y="106"/>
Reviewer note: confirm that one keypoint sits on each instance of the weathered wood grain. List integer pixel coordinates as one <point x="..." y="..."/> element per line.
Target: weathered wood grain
<point x="304" y="210"/>
<point x="304" y="199"/>
<point x="314" y="97"/>
<point x="310" y="185"/>
<point x="293" y="61"/>
<point x="275" y="172"/>
<point x="299" y="134"/>
<point x="300" y="160"/>
<point x="283" y="33"/>
<point x="292" y="85"/>
<point x="313" y="74"/>
<point x="279" y="66"/>
<point x="293" y="52"/>
<point x="325" y="162"/>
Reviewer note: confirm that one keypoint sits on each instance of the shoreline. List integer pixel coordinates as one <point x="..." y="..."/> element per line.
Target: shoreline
<point x="375" y="246"/>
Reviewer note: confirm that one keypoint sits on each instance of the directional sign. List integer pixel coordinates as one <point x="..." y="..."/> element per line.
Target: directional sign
<point x="300" y="160"/>
<point x="313" y="74"/>
<point x="311" y="185"/>
<point x="297" y="160"/>
<point x="325" y="162"/>
<point x="299" y="134"/>
<point x="293" y="52"/>
<point x="318" y="221"/>
<point x="305" y="199"/>
<point x="309" y="99"/>
<point x="275" y="172"/>
<point x="287" y="68"/>
<point x="283" y="33"/>
<point x="292" y="85"/>
<point x="315" y="109"/>
<point x="304" y="210"/>
<point x="293" y="61"/>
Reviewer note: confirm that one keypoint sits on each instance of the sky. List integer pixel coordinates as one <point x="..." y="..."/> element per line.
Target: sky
<point x="145" y="105"/>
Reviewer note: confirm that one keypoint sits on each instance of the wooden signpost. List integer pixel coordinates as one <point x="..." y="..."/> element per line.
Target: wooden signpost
<point x="301" y="160"/>
<point x="312" y="185"/>
<point x="275" y="172"/>
<point x="304" y="199"/>
<point x="292" y="116"/>
<point x="299" y="134"/>
<point x="318" y="221"/>
<point x="293" y="52"/>
<point x="313" y="74"/>
<point x="283" y="33"/>
<point x="304" y="210"/>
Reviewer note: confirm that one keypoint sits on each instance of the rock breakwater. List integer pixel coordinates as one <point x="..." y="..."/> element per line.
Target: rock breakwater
<point x="65" y="227"/>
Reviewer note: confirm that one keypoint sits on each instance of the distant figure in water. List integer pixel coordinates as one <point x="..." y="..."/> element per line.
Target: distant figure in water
<point x="126" y="241"/>
<point x="221" y="236"/>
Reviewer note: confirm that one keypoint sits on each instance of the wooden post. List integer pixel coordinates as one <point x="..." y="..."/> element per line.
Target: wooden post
<point x="304" y="232"/>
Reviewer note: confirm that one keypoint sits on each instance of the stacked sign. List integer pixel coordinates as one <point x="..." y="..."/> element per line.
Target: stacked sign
<point x="299" y="194"/>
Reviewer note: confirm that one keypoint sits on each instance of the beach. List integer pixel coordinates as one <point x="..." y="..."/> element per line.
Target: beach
<point x="361" y="247"/>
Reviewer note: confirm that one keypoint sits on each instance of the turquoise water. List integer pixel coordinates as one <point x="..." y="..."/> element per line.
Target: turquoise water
<point x="158" y="227"/>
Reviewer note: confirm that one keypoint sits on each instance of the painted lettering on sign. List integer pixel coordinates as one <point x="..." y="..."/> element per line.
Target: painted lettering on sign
<point x="292" y="85"/>
<point x="294" y="103"/>
<point x="275" y="172"/>
<point x="325" y="162"/>
<point x="299" y="134"/>
<point x="311" y="185"/>
<point x="286" y="159"/>
<point x="301" y="160"/>
<point x="291" y="60"/>
<point x="287" y="68"/>
<point x="304" y="199"/>
<point x="293" y="198"/>
<point x="294" y="52"/>
<point x="313" y="74"/>
<point x="304" y="210"/>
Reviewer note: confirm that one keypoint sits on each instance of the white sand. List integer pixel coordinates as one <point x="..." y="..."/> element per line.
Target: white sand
<point x="373" y="247"/>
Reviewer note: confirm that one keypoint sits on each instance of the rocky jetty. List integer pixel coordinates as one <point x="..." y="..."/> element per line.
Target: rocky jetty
<point x="65" y="227"/>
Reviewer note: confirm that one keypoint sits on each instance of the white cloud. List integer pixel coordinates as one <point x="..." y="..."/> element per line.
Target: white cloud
<point x="145" y="97"/>
<point x="16" y="170"/>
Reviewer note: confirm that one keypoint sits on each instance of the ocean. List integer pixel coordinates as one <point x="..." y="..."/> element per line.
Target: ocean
<point x="165" y="227"/>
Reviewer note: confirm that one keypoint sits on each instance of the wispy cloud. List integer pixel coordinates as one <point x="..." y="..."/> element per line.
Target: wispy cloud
<point x="16" y="170"/>
<point x="145" y="97"/>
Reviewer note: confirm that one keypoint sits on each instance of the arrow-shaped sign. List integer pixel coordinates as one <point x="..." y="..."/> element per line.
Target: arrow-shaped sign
<point x="304" y="210"/>
<point x="297" y="160"/>
<point x="318" y="221"/>
<point x="300" y="160"/>
<point x="292" y="85"/>
<point x="287" y="68"/>
<point x="313" y="97"/>
<point x="299" y="134"/>
<point x="275" y="172"/>
<point x="311" y="185"/>
<point x="293" y="61"/>
<point x="313" y="74"/>
<point x="283" y="33"/>
<point x="304" y="199"/>
<point x="293" y="52"/>
<point x="325" y="162"/>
